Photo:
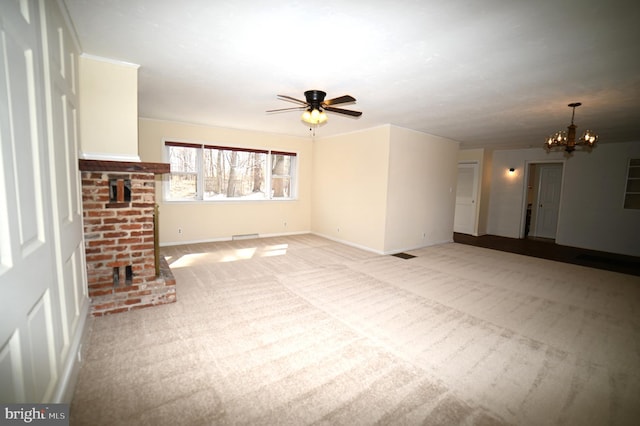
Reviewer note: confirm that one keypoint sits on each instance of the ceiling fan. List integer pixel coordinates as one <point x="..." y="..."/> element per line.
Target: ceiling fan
<point x="315" y="106"/>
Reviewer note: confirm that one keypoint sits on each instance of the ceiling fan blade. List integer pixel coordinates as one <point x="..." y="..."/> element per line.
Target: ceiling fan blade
<point x="344" y="111"/>
<point x="289" y="98"/>
<point x="340" y="100"/>
<point x="287" y="109"/>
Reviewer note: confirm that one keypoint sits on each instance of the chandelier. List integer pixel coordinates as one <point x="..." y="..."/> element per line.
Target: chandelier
<point x="567" y="139"/>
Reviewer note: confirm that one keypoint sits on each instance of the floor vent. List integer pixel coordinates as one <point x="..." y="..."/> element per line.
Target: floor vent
<point x="403" y="255"/>
<point x="243" y="237"/>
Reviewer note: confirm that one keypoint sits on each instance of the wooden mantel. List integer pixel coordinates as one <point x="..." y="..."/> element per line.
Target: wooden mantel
<point x="123" y="166"/>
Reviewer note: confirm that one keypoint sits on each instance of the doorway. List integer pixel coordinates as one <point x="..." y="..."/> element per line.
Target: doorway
<point x="543" y="194"/>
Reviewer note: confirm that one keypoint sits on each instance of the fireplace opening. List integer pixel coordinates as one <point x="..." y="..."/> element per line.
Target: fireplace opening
<point x="119" y="190"/>
<point x="128" y="275"/>
<point x="128" y="278"/>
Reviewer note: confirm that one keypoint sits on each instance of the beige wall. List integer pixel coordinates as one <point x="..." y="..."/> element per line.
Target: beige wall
<point x="207" y="221"/>
<point x="109" y="104"/>
<point x="483" y="218"/>
<point x="421" y="190"/>
<point x="591" y="215"/>
<point x="350" y="178"/>
<point x="386" y="189"/>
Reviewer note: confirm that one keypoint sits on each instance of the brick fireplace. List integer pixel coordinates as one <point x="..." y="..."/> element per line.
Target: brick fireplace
<point x="124" y="268"/>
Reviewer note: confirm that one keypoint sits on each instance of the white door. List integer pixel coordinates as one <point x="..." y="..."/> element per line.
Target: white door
<point x="41" y="261"/>
<point x="548" y="202"/>
<point x="27" y="272"/>
<point x="466" y="193"/>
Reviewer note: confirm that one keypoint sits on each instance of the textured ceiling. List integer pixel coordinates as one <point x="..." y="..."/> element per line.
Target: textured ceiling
<point x="491" y="73"/>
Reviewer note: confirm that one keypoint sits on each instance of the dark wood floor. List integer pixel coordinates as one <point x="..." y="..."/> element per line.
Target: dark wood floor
<point x="547" y="249"/>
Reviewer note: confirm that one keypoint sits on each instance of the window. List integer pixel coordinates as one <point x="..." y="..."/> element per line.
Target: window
<point x="183" y="181"/>
<point x="632" y="193"/>
<point x="281" y="164"/>
<point x="211" y="173"/>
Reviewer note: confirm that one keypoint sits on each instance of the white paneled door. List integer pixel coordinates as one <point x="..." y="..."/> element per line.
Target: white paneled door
<point x="466" y="194"/>
<point x="42" y="301"/>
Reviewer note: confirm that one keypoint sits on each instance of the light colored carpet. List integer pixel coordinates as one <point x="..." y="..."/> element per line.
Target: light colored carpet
<point x="302" y="330"/>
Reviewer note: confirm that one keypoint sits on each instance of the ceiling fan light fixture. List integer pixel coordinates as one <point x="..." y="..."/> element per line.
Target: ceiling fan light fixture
<point x="314" y="116"/>
<point x="316" y="107"/>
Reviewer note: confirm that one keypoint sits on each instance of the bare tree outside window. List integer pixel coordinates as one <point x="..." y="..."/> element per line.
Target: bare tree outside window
<point x="232" y="181"/>
<point x="184" y="172"/>
<point x="280" y="175"/>
<point x="258" y="175"/>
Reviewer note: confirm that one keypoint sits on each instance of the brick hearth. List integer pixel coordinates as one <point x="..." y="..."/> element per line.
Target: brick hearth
<point x="119" y="207"/>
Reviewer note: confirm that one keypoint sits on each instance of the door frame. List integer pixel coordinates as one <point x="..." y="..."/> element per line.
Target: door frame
<point x="525" y="182"/>
<point x="475" y="192"/>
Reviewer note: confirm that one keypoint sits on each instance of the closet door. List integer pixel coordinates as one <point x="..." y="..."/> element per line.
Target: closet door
<point x="466" y="194"/>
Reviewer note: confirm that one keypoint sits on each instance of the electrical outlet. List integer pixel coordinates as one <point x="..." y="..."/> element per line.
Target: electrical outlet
<point x="179" y="230"/>
<point x="285" y="223"/>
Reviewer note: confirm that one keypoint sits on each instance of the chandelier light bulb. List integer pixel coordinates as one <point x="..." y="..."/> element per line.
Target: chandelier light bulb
<point x="589" y="137"/>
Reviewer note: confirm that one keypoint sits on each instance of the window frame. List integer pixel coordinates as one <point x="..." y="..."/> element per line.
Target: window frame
<point x="631" y="199"/>
<point x="200" y="178"/>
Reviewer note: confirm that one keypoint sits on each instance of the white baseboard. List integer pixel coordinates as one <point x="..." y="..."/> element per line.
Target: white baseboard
<point x="229" y="238"/>
<point x="369" y="249"/>
<point x="430" y="244"/>
<point x="328" y="237"/>
<point x="348" y="243"/>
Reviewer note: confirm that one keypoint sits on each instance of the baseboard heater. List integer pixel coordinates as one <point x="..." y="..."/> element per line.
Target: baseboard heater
<point x="243" y="237"/>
